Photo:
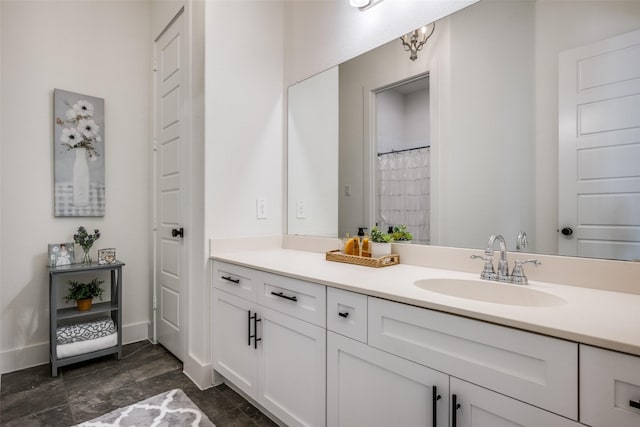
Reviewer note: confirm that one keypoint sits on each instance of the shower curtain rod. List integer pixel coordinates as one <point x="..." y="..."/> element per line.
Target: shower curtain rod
<point x="406" y="149"/>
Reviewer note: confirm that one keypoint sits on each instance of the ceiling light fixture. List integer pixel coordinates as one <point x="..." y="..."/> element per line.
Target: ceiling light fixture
<point x="415" y="40"/>
<point x="359" y="3"/>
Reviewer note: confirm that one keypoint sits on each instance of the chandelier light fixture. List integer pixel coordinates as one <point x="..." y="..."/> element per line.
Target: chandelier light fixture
<point x="416" y="39"/>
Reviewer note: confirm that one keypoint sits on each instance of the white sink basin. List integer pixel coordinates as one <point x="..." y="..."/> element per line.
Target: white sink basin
<point x="494" y="292"/>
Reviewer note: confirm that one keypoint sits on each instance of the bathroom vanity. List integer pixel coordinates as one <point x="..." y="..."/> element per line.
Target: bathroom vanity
<point x="321" y="343"/>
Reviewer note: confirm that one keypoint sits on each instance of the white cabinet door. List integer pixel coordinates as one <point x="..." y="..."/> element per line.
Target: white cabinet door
<point x="480" y="407"/>
<point x="609" y="388"/>
<point x="292" y="369"/>
<point x="369" y="387"/>
<point x="234" y="355"/>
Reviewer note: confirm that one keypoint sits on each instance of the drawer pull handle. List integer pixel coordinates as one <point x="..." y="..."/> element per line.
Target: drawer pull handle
<point x="230" y="279"/>
<point x="282" y="295"/>
<point x="634" y="404"/>
<point x="343" y="314"/>
<point x="434" y="403"/>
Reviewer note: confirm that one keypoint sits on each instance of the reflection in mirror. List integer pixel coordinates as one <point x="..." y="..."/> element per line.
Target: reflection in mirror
<point x="402" y="164"/>
<point x="498" y="160"/>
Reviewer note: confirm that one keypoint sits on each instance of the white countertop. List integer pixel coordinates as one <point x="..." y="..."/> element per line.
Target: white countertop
<point x="601" y="318"/>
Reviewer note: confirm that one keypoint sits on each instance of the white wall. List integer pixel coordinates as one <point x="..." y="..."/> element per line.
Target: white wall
<point x="402" y="119"/>
<point x="244" y="117"/>
<point x="321" y="34"/>
<point x="71" y="45"/>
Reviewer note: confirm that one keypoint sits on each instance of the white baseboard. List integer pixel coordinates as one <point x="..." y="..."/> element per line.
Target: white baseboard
<point x="200" y="373"/>
<point x="38" y="354"/>
<point x="135" y="332"/>
<point x="25" y="357"/>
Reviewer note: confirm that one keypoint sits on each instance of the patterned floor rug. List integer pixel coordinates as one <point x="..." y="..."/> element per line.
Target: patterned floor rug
<point x="172" y="408"/>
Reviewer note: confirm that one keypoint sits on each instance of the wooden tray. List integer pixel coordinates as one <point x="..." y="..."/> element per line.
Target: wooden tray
<point x="384" y="261"/>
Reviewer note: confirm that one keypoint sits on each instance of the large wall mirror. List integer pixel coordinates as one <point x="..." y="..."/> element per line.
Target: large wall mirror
<point x="516" y="117"/>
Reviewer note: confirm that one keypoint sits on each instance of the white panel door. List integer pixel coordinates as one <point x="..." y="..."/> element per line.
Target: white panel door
<point x="369" y="387"/>
<point x="169" y="164"/>
<point x="292" y="373"/>
<point x="599" y="134"/>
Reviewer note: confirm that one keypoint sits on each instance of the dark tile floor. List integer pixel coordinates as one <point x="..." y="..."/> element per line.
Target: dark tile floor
<point x="31" y="397"/>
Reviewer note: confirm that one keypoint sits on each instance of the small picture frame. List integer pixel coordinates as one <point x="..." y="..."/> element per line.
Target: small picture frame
<point x="107" y="256"/>
<point x="61" y="254"/>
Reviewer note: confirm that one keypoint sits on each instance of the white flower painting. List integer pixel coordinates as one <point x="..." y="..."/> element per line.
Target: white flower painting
<point x="78" y="154"/>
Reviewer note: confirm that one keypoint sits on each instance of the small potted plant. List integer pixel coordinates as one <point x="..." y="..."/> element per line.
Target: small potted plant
<point x="380" y="243"/>
<point x="86" y="240"/>
<point x="84" y="293"/>
<point x="401" y="234"/>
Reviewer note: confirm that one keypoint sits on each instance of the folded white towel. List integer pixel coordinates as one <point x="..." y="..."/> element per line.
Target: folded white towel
<point x="81" y="347"/>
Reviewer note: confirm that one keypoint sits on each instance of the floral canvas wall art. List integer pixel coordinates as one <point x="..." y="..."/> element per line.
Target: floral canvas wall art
<point x="79" y="184"/>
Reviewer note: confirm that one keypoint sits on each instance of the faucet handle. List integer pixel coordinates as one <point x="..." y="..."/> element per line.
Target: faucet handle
<point x="517" y="276"/>
<point x="488" y="273"/>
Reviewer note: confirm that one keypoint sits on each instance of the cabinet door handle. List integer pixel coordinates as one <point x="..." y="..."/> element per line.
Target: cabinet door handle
<point x="236" y="281"/>
<point x="255" y="329"/>
<point x="434" y="403"/>
<point x="454" y="410"/>
<point x="282" y="295"/>
<point x="249" y="327"/>
<point x="344" y="314"/>
<point x="634" y="404"/>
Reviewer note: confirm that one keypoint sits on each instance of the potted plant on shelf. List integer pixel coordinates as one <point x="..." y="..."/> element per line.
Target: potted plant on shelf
<point x="401" y="234"/>
<point x="84" y="293"/>
<point x="380" y="243"/>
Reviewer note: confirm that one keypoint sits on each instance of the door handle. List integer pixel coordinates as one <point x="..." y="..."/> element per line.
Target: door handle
<point x="454" y="410"/>
<point x="178" y="232"/>
<point x="255" y="329"/>
<point x="434" y="403"/>
<point x="566" y="231"/>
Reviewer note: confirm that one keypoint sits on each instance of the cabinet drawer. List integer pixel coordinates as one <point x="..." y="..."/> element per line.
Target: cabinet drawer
<point x="529" y="367"/>
<point x="609" y="383"/>
<point x="297" y="298"/>
<point x="236" y="280"/>
<point x="347" y="313"/>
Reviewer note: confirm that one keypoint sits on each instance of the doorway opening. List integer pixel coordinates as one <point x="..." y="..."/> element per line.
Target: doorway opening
<point x="403" y="147"/>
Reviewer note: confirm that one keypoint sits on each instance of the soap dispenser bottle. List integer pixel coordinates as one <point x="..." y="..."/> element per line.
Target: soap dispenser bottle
<point x="361" y="239"/>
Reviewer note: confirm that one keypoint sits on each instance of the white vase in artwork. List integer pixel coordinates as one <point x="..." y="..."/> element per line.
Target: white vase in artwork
<point x="81" y="178"/>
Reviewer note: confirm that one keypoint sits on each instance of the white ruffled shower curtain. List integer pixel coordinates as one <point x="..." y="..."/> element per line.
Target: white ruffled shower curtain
<point x="403" y="192"/>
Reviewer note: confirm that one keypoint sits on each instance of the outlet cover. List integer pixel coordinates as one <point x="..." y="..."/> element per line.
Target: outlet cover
<point x="300" y="209"/>
<point x="262" y="210"/>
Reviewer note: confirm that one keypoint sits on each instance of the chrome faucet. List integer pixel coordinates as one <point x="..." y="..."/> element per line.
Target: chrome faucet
<point x="521" y="241"/>
<point x="488" y="272"/>
<point x="503" y="265"/>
